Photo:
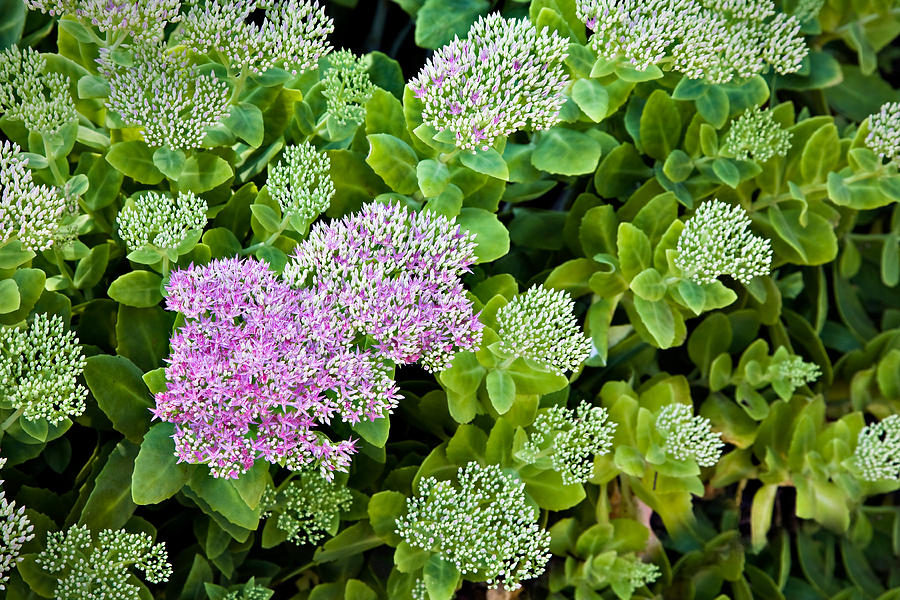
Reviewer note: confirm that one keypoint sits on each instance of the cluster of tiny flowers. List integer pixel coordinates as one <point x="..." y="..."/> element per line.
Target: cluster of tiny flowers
<point x="540" y="325"/>
<point x="396" y="276"/>
<point x="98" y="570"/>
<point x="293" y="34"/>
<point x="157" y="218"/>
<point x="39" y="369"/>
<point x="505" y="76"/>
<point x="484" y="526"/>
<point x="40" y="100"/>
<point x="688" y="436"/>
<point x="419" y="591"/>
<point x="306" y="508"/>
<point x="757" y="134"/>
<point x="717" y="241"/>
<point x="142" y="18"/>
<point x="29" y="212"/>
<point x="15" y="530"/>
<point x="250" y="592"/>
<point x="713" y="40"/>
<point x="792" y="368"/>
<point x="884" y="132"/>
<point x="638" y="573"/>
<point x="877" y="454"/>
<point x="301" y="182"/>
<point x="572" y="438"/>
<point x="257" y="366"/>
<point x="346" y="87"/>
<point x="807" y="9"/>
<point x="163" y="95"/>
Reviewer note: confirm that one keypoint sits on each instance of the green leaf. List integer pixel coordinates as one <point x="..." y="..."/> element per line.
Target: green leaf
<point x="104" y="181"/>
<point x="222" y="496"/>
<point x="433" y="177"/>
<point x="135" y="160"/>
<point x="439" y="21"/>
<point x="649" y="285"/>
<point x="138" y="288"/>
<point x="384" y="114"/>
<point x="657" y="318"/>
<point x="384" y="510"/>
<point x="394" y="161"/>
<point x="375" y="432"/>
<point x="592" y="98"/>
<point x="12" y="255"/>
<point x="634" y="250"/>
<point x="245" y="120"/>
<point x="441" y="576"/>
<point x="109" y="505"/>
<point x="143" y="335"/>
<point x="713" y="106"/>
<point x="169" y="162"/>
<point x="119" y="389"/>
<point x="727" y="171"/>
<point x="9" y="296"/>
<point x="501" y="389"/>
<point x="488" y="162"/>
<point x="157" y="473"/>
<point x="566" y="152"/>
<point x="549" y="491"/>
<point x="203" y="172"/>
<point x="820" y="154"/>
<point x="620" y="172"/>
<point x="356" y="539"/>
<point x="31" y="284"/>
<point x="92" y="267"/>
<point x="660" y="125"/>
<point x="12" y="22"/>
<point x="491" y="235"/>
<point x="266" y="216"/>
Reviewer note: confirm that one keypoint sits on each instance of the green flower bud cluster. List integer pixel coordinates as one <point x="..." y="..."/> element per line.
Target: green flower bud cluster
<point x="250" y="591"/>
<point x="141" y="18"/>
<point x="623" y="573"/>
<point x="716" y="241"/>
<point x="307" y="508"/>
<point x="877" y="454"/>
<point x="884" y="132"/>
<point x="157" y="218"/>
<point x="301" y="182"/>
<point x="39" y="369"/>
<point x="15" y="530"/>
<point x="757" y="134"/>
<point x="346" y="87"/>
<point x="40" y="100"/>
<point x="29" y="212"/>
<point x="571" y="438"/>
<point x="790" y="370"/>
<point x="484" y="525"/>
<point x="97" y="569"/>
<point x="540" y="325"/>
<point x="688" y="436"/>
<point x="163" y="95"/>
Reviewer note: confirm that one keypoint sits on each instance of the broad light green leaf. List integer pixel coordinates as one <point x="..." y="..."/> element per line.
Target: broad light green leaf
<point x="245" y="120"/>
<point x="501" y="389"/>
<point x="488" y="162"/>
<point x="491" y="235"/>
<point x="394" y="161"/>
<point x="441" y="578"/>
<point x="110" y="505"/>
<point x="203" y="172"/>
<point x="592" y="98"/>
<point x="566" y="152"/>
<point x="660" y="125"/>
<point x="356" y="539"/>
<point x="549" y="491"/>
<point x="439" y="21"/>
<point x="134" y="159"/>
<point x="138" y="288"/>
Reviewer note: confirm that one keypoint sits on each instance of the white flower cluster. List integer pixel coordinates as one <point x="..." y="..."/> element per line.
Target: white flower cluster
<point x="250" y="591"/>
<point x="792" y="369"/>
<point x="419" y="591"/>
<point x="98" y="570"/>
<point x="540" y="325"/>
<point x="142" y="18"/>
<point x="504" y="76"/>
<point x="164" y="95"/>
<point x="571" y="438"/>
<point x="29" y="212"/>
<point x="709" y="39"/>
<point x="688" y="436"/>
<point x="877" y="454"/>
<point x="347" y="87"/>
<point x="716" y="241"/>
<point x="40" y="100"/>
<point x="884" y="132"/>
<point x="301" y="181"/>
<point x="485" y="526"/>
<point x="157" y="218"/>
<point x="757" y="134"/>
<point x="15" y="530"/>
<point x="39" y="369"/>
<point x="624" y="574"/>
<point x="307" y="508"/>
<point x="293" y="34"/>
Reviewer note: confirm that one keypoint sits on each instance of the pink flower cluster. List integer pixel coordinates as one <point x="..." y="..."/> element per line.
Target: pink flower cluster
<point x="258" y="365"/>
<point x="395" y="277"/>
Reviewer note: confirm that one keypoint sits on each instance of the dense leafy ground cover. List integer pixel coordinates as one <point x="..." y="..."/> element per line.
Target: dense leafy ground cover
<point x="551" y="299"/>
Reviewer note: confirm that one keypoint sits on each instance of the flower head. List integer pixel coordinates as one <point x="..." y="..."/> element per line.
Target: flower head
<point x="307" y="508"/>
<point x="39" y="369"/>
<point x="484" y="525"/>
<point x="250" y="591"/>
<point x="504" y="76"/>
<point x="877" y="454"/>
<point x="163" y="95"/>
<point x="301" y="182"/>
<point x="258" y="366"/>
<point x="346" y="87"/>
<point x="540" y="325"/>
<point x="787" y="372"/>
<point x="716" y="241"/>
<point x="29" y="212"/>
<point x="688" y="436"/>
<point x="396" y="276"/>
<point x="90" y="568"/>
<point x="757" y="134"/>
<point x="157" y="218"/>
<point x="573" y="438"/>
<point x="141" y="18"/>
<point x="292" y="35"/>
<point x="40" y="100"/>
<point x="884" y="132"/>
<point x="15" y="530"/>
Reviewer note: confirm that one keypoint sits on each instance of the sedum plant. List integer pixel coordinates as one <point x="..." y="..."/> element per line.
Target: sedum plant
<point x="688" y="436"/>
<point x="301" y="183"/>
<point x="15" y="531"/>
<point x="306" y="509"/>
<point x="157" y="218"/>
